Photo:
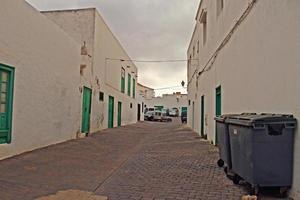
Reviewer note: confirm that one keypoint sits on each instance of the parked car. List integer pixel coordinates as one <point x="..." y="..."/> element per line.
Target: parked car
<point x="184" y="117"/>
<point x="174" y="112"/>
<point x="157" y="116"/>
<point x="148" y="109"/>
<point x="149" y="115"/>
<point x="165" y="117"/>
<point x="166" y="110"/>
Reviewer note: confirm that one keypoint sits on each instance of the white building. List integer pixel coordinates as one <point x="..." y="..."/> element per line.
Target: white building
<point x="244" y="58"/>
<point x="107" y="74"/>
<point x="39" y="70"/>
<point x="146" y="92"/>
<point x="169" y="101"/>
<point x="62" y="73"/>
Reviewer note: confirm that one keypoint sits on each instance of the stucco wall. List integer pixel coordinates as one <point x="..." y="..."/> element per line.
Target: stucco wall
<point x="46" y="97"/>
<point x="101" y="74"/>
<point x="258" y="69"/>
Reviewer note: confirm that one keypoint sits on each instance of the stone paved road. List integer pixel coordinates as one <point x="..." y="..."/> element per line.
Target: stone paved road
<point x="141" y="161"/>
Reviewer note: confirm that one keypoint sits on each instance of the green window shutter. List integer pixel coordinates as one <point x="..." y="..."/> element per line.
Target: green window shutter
<point x="129" y="85"/>
<point x="133" y="90"/>
<point x="6" y="102"/>
<point x="123" y="80"/>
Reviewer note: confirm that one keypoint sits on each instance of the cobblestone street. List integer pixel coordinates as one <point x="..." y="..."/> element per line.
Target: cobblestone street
<point x="141" y="161"/>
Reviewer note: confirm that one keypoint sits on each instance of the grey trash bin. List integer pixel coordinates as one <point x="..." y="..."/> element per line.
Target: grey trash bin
<point x="262" y="149"/>
<point x="223" y="141"/>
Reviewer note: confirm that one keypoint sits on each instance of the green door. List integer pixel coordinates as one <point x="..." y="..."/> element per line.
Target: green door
<point x="193" y="112"/>
<point x="202" y="116"/>
<point x="218" y="105"/>
<point x="6" y="98"/>
<point x="111" y="107"/>
<point x="183" y="109"/>
<point x="86" y="110"/>
<point x="119" y="113"/>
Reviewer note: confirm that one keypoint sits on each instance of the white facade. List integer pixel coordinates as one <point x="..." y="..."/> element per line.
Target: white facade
<point x="102" y="66"/>
<point x="176" y="100"/>
<point x="46" y="62"/>
<point x="249" y="49"/>
<point x="146" y="92"/>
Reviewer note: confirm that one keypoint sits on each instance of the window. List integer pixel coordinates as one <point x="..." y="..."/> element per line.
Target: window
<point x="193" y="51"/>
<point x="123" y="80"/>
<point x="130" y="105"/>
<point x="203" y="21"/>
<point x="133" y="88"/>
<point x="198" y="46"/>
<point x="129" y="85"/>
<point x="189" y="102"/>
<point x="101" y="96"/>
<point x="6" y="102"/>
<point x="220" y="6"/>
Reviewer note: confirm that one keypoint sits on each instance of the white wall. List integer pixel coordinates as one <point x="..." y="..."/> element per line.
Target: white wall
<point x="46" y="103"/>
<point x="258" y="69"/>
<point x="169" y="101"/>
<point x="102" y="74"/>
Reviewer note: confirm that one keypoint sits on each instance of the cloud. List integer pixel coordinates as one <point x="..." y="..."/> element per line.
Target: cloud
<point x="148" y="30"/>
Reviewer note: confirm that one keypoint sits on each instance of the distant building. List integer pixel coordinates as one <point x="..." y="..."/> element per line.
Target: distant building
<point x="244" y="57"/>
<point x="169" y="101"/>
<point x="146" y="92"/>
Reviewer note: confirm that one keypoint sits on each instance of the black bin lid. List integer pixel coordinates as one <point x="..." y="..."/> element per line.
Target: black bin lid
<point x="222" y="118"/>
<point x="264" y="118"/>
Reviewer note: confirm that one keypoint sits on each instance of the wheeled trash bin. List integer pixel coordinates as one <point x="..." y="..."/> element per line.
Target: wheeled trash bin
<point x="262" y="149"/>
<point x="223" y="143"/>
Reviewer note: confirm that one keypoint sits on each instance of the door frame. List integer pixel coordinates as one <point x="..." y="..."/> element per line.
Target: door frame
<point x="218" y="108"/>
<point x="111" y="111"/>
<point x="10" y="94"/>
<point x="84" y="120"/>
<point x="139" y="114"/>
<point x="202" y="124"/>
<point x="119" y="113"/>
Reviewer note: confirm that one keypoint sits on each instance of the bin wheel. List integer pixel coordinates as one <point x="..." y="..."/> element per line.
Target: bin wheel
<point x="220" y="163"/>
<point x="283" y="192"/>
<point x="226" y="170"/>
<point x="254" y="190"/>
<point x="236" y="179"/>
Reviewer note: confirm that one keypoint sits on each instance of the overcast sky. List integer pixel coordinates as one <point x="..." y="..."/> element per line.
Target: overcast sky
<point x="148" y="30"/>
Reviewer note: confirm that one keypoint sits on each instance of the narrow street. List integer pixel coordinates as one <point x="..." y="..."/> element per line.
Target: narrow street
<point x="141" y="161"/>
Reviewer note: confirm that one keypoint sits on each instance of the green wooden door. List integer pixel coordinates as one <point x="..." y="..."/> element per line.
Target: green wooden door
<point x="111" y="107"/>
<point x="218" y="106"/>
<point x="6" y="99"/>
<point x="119" y="113"/>
<point x="202" y="116"/>
<point x="86" y="110"/>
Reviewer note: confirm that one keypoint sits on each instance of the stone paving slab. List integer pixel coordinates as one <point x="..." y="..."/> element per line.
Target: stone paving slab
<point x="142" y="161"/>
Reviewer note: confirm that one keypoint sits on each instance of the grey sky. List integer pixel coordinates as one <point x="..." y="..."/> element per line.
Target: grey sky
<point x="148" y="30"/>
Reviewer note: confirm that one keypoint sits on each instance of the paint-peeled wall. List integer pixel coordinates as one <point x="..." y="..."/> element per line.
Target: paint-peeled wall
<point x="46" y="98"/>
<point x="258" y="69"/>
